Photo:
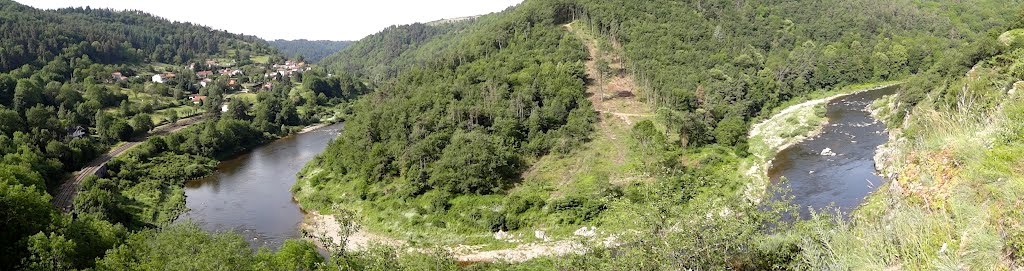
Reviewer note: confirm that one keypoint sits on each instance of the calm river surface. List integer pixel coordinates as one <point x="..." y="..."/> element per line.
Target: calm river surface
<point x="837" y="166"/>
<point x="251" y="194"/>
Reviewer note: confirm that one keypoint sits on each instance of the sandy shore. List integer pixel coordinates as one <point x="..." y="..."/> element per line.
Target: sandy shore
<point x="319" y="226"/>
<point x="313" y="127"/>
<point x="326" y="226"/>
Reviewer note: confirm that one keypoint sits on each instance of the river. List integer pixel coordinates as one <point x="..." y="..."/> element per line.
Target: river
<point x="251" y="194"/>
<point x="837" y="166"/>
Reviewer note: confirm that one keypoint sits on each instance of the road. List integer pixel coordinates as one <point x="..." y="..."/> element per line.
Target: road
<point x="65" y="197"/>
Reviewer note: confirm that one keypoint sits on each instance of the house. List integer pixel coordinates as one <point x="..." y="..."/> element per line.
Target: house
<point x="197" y="99"/>
<point x="161" y="78"/>
<point x="118" y="77"/>
<point x="205" y="82"/>
<point x="230" y="72"/>
<point x="204" y="74"/>
<point x="232" y="82"/>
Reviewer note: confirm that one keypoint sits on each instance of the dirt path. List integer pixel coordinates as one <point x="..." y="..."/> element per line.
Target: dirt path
<point x="66" y="195"/>
<point x="614" y="93"/>
<point x="612" y="96"/>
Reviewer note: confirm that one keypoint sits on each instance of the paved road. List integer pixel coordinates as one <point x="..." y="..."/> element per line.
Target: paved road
<point x="65" y="197"/>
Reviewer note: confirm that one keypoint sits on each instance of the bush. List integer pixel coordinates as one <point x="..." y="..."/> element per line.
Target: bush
<point x="574" y="210"/>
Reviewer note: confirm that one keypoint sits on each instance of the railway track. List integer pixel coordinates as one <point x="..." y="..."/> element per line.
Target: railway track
<point x="65" y="198"/>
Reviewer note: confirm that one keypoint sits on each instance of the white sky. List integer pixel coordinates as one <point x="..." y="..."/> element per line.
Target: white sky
<point x="296" y="19"/>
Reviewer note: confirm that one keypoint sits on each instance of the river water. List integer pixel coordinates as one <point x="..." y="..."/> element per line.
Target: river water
<point x="835" y="168"/>
<point x="251" y="194"/>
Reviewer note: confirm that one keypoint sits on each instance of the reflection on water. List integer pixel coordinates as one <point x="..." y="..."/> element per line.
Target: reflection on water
<point x="836" y="167"/>
<point x="251" y="194"/>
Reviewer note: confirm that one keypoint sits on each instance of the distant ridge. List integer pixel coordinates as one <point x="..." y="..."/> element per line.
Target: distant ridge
<point x="452" y="20"/>
<point x="312" y="50"/>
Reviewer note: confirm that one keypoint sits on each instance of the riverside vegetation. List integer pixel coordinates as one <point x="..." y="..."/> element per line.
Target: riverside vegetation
<point x="76" y="82"/>
<point x="474" y="127"/>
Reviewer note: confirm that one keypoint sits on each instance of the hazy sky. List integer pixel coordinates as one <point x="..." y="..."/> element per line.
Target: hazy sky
<point x="296" y="19"/>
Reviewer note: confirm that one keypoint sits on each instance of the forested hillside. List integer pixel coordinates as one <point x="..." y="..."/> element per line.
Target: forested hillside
<point x="311" y="51"/>
<point x="465" y="116"/>
<point x="503" y="133"/>
<point x="444" y="143"/>
<point x="32" y="36"/>
<point x="381" y="56"/>
<point x="77" y="83"/>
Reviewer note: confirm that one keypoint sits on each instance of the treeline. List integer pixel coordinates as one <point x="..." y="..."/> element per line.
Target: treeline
<point x="432" y="140"/>
<point x="142" y="190"/>
<point x="311" y="51"/>
<point x="463" y="108"/>
<point x="715" y="63"/>
<point x="381" y="56"/>
<point x="512" y="92"/>
<point x="32" y="36"/>
<point x="75" y="82"/>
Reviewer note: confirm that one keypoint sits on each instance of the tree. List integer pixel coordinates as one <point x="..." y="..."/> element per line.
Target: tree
<point x="7" y="86"/>
<point x="119" y="130"/>
<point x="730" y="130"/>
<point x="26" y="94"/>
<point x="25" y="210"/>
<point x="297" y="255"/>
<point x="647" y="136"/>
<point x="10" y="121"/>
<point x="40" y="116"/>
<point x="473" y="163"/>
<point x="182" y="246"/>
<point x="238" y="109"/>
<point x="603" y="70"/>
<point x="50" y="252"/>
<point x="93" y="236"/>
<point x="141" y="124"/>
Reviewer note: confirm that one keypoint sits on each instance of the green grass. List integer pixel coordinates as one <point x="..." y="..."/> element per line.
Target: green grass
<point x="262" y="59"/>
<point x="184" y="111"/>
<point x="956" y="202"/>
<point x="248" y="97"/>
<point x="1011" y="37"/>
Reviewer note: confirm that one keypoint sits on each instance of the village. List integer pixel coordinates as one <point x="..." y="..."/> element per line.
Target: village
<point x="237" y="79"/>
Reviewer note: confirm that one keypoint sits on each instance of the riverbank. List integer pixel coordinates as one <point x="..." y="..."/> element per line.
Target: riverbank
<point x="954" y="197"/>
<point x="321" y="124"/>
<point x="321" y="228"/>
<point x="250" y="192"/>
<point x="788" y="126"/>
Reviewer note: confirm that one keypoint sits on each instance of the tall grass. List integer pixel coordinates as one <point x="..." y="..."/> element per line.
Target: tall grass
<point x="954" y="203"/>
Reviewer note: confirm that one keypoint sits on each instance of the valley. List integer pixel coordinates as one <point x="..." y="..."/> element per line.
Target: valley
<point x="549" y="135"/>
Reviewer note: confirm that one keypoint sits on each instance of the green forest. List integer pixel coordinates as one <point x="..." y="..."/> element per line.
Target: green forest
<point x="618" y="128"/>
<point x="75" y="83"/>
<point x="309" y="50"/>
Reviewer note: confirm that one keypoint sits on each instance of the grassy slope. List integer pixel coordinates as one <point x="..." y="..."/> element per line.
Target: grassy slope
<point x="955" y="202"/>
<point x="589" y="170"/>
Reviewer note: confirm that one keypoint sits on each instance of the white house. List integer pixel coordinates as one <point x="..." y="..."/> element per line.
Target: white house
<point x="158" y="78"/>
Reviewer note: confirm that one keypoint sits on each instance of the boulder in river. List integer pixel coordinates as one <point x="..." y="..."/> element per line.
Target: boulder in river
<point x="827" y="152"/>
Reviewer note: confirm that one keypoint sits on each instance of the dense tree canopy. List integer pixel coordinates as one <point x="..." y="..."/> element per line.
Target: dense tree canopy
<point x="32" y="36"/>
<point x="311" y="51"/>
